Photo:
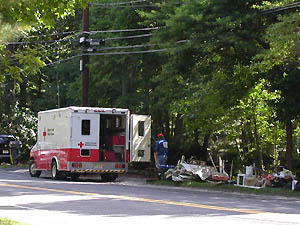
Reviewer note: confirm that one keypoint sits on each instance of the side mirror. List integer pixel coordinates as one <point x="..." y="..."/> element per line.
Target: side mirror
<point x="15" y="144"/>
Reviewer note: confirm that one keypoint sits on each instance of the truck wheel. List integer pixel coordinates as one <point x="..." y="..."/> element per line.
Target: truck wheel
<point x="109" y="177"/>
<point x="33" y="170"/>
<point x="54" y="171"/>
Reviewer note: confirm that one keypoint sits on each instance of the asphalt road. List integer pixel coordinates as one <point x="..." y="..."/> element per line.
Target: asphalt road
<point x="129" y="200"/>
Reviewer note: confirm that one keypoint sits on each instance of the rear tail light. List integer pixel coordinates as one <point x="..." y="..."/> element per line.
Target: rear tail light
<point x="76" y="165"/>
<point x="119" y="166"/>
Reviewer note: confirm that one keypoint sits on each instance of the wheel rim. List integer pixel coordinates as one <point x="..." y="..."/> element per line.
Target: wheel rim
<point x="33" y="168"/>
<point x="54" y="170"/>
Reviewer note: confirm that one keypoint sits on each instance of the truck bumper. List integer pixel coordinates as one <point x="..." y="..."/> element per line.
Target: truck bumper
<point x="98" y="167"/>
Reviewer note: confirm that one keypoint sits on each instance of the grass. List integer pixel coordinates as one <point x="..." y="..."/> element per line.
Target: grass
<point x="5" y="221"/>
<point x="229" y="188"/>
<point x="7" y="165"/>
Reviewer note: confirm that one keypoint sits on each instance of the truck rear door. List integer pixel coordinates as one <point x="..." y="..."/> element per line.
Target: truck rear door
<point x="140" y="138"/>
<point x="85" y="135"/>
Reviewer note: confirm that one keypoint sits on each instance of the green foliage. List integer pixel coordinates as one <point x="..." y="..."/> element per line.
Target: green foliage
<point x="229" y="72"/>
<point x="237" y="128"/>
<point x="22" y="124"/>
<point x="25" y="14"/>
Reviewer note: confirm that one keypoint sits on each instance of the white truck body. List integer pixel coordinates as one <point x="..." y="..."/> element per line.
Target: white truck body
<point x="77" y="140"/>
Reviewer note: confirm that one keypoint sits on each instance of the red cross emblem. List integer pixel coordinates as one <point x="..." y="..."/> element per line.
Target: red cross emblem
<point x="44" y="133"/>
<point x="80" y="144"/>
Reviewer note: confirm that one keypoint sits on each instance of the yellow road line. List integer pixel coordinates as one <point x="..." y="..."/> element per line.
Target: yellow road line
<point x="128" y="198"/>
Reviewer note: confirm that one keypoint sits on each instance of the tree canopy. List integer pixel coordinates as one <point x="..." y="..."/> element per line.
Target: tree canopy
<point x="217" y="76"/>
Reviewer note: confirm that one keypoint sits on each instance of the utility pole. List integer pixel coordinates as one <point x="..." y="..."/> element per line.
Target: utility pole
<point x="85" y="59"/>
<point x="10" y="88"/>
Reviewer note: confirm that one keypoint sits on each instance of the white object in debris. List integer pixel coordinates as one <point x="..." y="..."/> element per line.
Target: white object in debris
<point x="294" y="182"/>
<point x="249" y="171"/>
<point x="239" y="178"/>
<point x="203" y="173"/>
<point x="187" y="167"/>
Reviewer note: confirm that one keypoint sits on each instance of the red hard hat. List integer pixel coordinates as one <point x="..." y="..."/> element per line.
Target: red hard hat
<point x="160" y="135"/>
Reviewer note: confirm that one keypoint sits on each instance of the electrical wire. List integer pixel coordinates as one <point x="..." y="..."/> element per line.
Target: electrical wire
<point x="129" y="37"/>
<point x="293" y="5"/>
<point x="107" y="53"/>
<point x="129" y="6"/>
<point x="126" y="53"/>
<point x="15" y="61"/>
<point x="62" y="60"/>
<point x="125" y="30"/>
<point x="55" y="42"/>
<point x="123" y="4"/>
<point x="116" y="3"/>
<point x="129" y="46"/>
<point x="37" y="42"/>
<point x="126" y="47"/>
<point x="54" y="34"/>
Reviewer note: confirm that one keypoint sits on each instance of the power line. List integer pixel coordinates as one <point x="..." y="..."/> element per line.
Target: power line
<point x="125" y="4"/>
<point x="108" y="53"/>
<point x="125" y="30"/>
<point x="124" y="47"/>
<point x="69" y="41"/>
<point x="15" y="61"/>
<point x="129" y="46"/>
<point x="127" y="53"/>
<point x="62" y="60"/>
<point x="279" y="9"/>
<point x="129" y="6"/>
<point x="54" y="34"/>
<point x="116" y="3"/>
<point x="105" y="49"/>
<point x="93" y="32"/>
<point x="129" y="37"/>
<point x="38" y="42"/>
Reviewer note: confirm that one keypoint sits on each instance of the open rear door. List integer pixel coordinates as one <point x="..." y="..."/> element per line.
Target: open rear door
<point x="140" y="135"/>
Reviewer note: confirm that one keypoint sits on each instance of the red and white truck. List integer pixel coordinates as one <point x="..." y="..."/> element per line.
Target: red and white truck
<point x="89" y="140"/>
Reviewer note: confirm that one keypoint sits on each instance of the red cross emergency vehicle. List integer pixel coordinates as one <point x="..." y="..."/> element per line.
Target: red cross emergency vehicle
<point x="83" y="140"/>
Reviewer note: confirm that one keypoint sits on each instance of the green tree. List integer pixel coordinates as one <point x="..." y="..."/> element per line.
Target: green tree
<point x="21" y="65"/>
<point x="210" y="45"/>
<point x="280" y="64"/>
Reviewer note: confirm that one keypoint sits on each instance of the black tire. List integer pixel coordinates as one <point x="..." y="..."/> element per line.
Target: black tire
<point x="32" y="169"/>
<point x="109" y="177"/>
<point x="55" y="173"/>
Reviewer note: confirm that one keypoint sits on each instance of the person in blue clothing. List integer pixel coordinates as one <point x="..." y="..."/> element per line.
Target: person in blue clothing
<point x="160" y="151"/>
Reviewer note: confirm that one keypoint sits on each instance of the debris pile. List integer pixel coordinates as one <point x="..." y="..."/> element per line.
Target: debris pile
<point x="253" y="178"/>
<point x="283" y="178"/>
<point x="195" y="170"/>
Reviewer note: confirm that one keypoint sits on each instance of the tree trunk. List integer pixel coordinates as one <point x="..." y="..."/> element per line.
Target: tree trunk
<point x="204" y="147"/>
<point x="23" y="93"/>
<point x="10" y="99"/>
<point x="289" y="144"/>
<point x="10" y="90"/>
<point x="178" y="131"/>
<point x="124" y="86"/>
<point x="260" y="164"/>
